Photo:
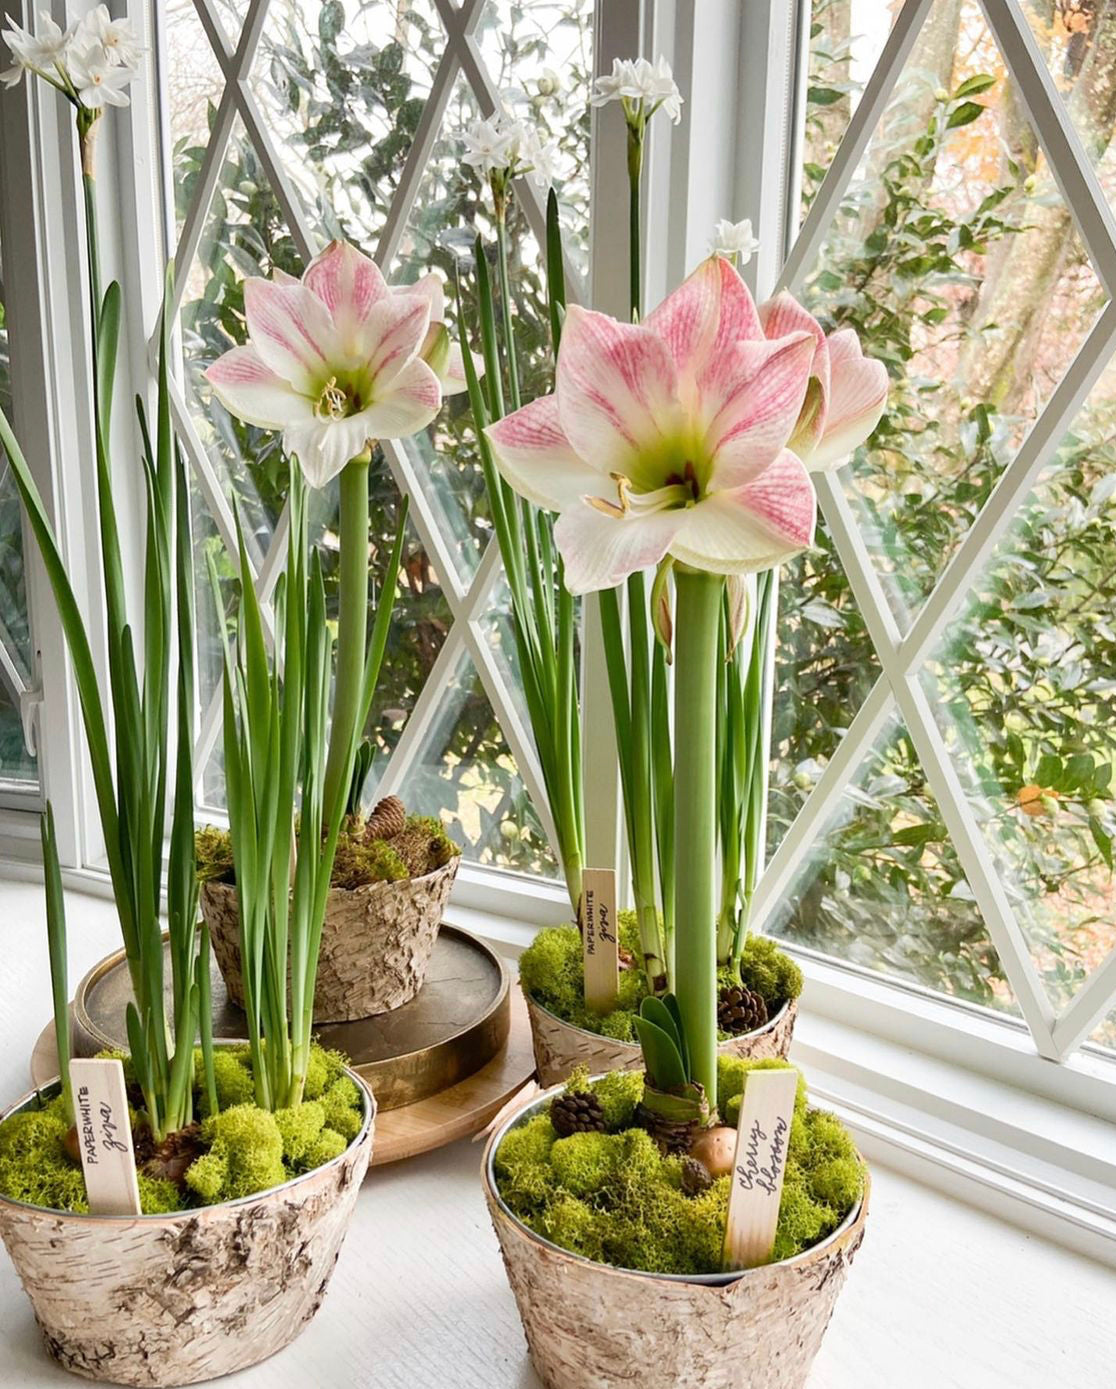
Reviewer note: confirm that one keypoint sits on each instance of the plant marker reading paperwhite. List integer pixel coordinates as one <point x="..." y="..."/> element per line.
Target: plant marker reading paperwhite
<point x="766" y="1111"/>
<point x="104" y="1131"/>
<point x="599" y="945"/>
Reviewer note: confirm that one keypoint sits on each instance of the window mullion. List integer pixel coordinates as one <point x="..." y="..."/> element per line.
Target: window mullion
<point x="1069" y="163"/>
<point x="1014" y="486"/>
<point x="873" y="101"/>
<point x="811" y="820"/>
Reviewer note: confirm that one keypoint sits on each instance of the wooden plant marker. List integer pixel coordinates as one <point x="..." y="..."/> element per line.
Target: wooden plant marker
<point x="104" y="1131"/>
<point x="766" y="1111"/>
<point x="599" y="945"/>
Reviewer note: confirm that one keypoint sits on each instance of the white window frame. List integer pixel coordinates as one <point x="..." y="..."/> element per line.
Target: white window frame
<point x="943" y="1086"/>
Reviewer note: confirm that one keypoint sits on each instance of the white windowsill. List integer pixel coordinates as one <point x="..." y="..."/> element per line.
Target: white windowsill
<point x="941" y="1296"/>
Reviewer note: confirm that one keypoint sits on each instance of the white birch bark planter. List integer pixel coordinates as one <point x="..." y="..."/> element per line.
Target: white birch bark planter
<point x="376" y="942"/>
<point x="173" y="1299"/>
<point x="560" y="1046"/>
<point x="590" y="1326"/>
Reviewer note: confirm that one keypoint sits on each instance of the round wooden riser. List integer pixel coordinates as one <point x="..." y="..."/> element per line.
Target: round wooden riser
<point x="440" y="1067"/>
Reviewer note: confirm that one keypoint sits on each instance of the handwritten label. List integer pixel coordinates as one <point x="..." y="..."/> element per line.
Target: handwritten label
<point x="766" y="1111"/>
<point x="104" y="1132"/>
<point x="600" y="949"/>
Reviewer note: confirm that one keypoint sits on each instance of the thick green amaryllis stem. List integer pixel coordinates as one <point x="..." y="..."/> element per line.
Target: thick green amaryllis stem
<point x="695" y="818"/>
<point x="352" y="624"/>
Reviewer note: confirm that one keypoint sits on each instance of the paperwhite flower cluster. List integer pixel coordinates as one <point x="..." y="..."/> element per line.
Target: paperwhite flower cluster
<point x="508" y="148"/>
<point x="735" y="239"/>
<point x="643" y="87"/>
<point x="90" y="62"/>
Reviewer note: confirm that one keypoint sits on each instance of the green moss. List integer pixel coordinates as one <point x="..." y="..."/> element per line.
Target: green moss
<point x="213" y="854"/>
<point x="158" y="1197"/>
<point x="300" y="1128"/>
<point x="612" y="1197"/>
<point x="731" y="1074"/>
<point x="249" y="1149"/>
<point x="373" y="861"/>
<point x="551" y="971"/>
<point x="342" y="1108"/>
<point x="232" y="1071"/>
<point x="330" y="1145"/>
<point x="420" y="847"/>
<point x="248" y="1146"/>
<point x="323" y="1069"/>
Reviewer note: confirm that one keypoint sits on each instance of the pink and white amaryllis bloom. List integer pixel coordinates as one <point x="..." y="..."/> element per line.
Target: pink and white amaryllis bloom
<point x="668" y="437"/>
<point x="847" y="391"/>
<point x="339" y="359"/>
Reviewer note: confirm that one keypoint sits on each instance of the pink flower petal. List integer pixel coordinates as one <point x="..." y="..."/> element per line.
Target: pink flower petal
<point x="349" y="285"/>
<point x="709" y="310"/>
<point x="251" y="391"/>
<point x="750" y="402"/>
<point x="754" y="527"/>
<point x="601" y="551"/>
<point x="781" y="316"/>
<point x="531" y="450"/>
<point x="617" y="389"/>
<point x="857" y="398"/>
<point x="431" y="288"/>
<point x="291" y="329"/>
<point x="392" y="336"/>
<point x="408" y="402"/>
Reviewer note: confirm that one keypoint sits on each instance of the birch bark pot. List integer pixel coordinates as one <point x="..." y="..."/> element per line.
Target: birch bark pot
<point x="376" y="942"/>
<point x="173" y="1299"/>
<point x="560" y="1046"/>
<point x="590" y="1326"/>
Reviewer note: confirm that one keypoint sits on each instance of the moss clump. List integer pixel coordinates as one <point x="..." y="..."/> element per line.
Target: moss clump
<point x="420" y="847"/>
<point x="612" y="1197"/>
<point x="551" y="971"/>
<point x="247" y="1150"/>
<point x="245" y="1155"/>
<point x="341" y="1108"/>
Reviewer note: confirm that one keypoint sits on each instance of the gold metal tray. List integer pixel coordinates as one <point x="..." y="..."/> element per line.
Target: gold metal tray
<point x="453" y="1027"/>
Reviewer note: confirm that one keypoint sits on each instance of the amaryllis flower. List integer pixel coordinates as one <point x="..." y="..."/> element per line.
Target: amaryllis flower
<point x="668" y="437"/>
<point x="847" y="391"/>
<point x="339" y="360"/>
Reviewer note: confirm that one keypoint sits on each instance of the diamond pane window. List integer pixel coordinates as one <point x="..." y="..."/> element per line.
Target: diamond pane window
<point x="342" y="118"/>
<point x="16" y="763"/>
<point x="942" y="807"/>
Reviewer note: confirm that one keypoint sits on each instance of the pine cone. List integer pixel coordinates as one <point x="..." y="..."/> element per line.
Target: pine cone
<point x="577" y="1111"/>
<point x="672" y="1137"/>
<point x="387" y="819"/>
<point x="696" y="1177"/>
<point x="740" y="1010"/>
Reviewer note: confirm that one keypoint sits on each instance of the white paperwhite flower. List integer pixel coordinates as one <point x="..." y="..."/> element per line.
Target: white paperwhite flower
<point x="539" y="158"/>
<point x="98" y="81"/>
<point x="655" y="84"/>
<point x="34" y="52"/>
<point x="116" y="38"/>
<point x="612" y="87"/>
<point x="635" y="80"/>
<point x="492" y="145"/>
<point x="735" y="239"/>
<point x="503" y="145"/>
